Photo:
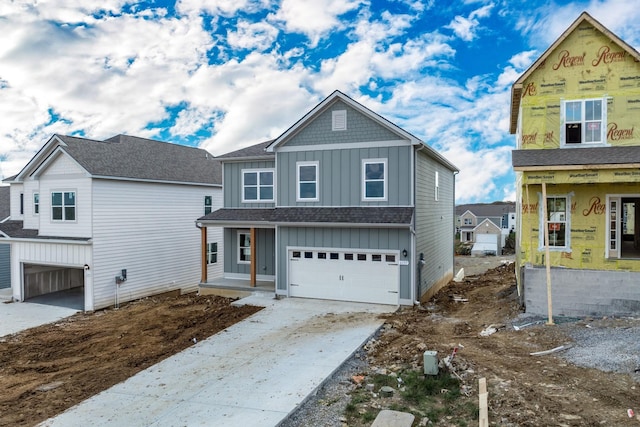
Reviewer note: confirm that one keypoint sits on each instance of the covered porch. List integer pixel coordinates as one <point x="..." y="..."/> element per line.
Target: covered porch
<point x="235" y="288"/>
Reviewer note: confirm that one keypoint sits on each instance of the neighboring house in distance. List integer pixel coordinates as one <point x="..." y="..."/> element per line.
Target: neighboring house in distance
<point x="342" y="206"/>
<point x="111" y="219"/>
<point x="5" y="249"/>
<point x="470" y="216"/>
<point x="575" y="115"/>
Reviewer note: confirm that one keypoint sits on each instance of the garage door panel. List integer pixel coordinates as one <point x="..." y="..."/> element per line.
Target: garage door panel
<point x="344" y="275"/>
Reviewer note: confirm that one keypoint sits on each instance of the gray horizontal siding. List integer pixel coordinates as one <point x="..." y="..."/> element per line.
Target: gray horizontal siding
<point x="5" y="265"/>
<point x="265" y="242"/>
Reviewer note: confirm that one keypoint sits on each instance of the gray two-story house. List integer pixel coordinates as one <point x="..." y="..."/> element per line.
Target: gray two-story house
<point x="344" y="205"/>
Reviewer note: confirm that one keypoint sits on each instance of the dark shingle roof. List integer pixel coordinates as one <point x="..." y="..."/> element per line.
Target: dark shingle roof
<point x="486" y="210"/>
<point x="137" y="158"/>
<point x="5" y="205"/>
<point x="14" y="229"/>
<point x="390" y="216"/>
<point x="576" y="156"/>
<point x="257" y="150"/>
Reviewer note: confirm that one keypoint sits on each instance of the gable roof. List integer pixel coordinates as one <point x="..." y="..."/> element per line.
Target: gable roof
<point x="132" y="158"/>
<point x="487" y="222"/>
<point x="486" y="210"/>
<point x="5" y="202"/>
<point x="337" y="95"/>
<point x="516" y="88"/>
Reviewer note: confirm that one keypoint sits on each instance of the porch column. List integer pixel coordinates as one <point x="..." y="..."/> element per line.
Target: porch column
<point x="203" y="257"/>
<point x="253" y="257"/>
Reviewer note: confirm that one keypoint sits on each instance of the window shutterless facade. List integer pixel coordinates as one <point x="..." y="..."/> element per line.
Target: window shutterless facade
<point x="36" y="203"/>
<point x="208" y="204"/>
<point x="307" y="181"/>
<point x="257" y="185"/>
<point x="63" y="206"/>
<point x="584" y="122"/>
<point x="374" y="179"/>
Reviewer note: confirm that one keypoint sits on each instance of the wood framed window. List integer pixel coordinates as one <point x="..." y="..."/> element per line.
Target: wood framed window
<point x="257" y="185"/>
<point x="374" y="179"/>
<point x="307" y="181"/>
<point x="63" y="205"/>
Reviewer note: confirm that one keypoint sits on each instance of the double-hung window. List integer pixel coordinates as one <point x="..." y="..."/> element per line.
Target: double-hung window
<point x="63" y="205"/>
<point x="307" y="178"/>
<point x="558" y="222"/>
<point x="374" y="179"/>
<point x="212" y="253"/>
<point x="208" y="204"/>
<point x="36" y="203"/>
<point x="257" y="185"/>
<point x="584" y="121"/>
<point x="244" y="247"/>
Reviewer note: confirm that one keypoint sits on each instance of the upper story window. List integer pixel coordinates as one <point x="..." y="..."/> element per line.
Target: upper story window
<point x="584" y="122"/>
<point x="257" y="185"/>
<point x="437" y="187"/>
<point x="467" y="221"/>
<point x="21" y="203"/>
<point x="63" y="205"/>
<point x="374" y="179"/>
<point x="36" y="203"/>
<point x="307" y="177"/>
<point x="339" y="120"/>
<point x="208" y="204"/>
<point x="558" y="223"/>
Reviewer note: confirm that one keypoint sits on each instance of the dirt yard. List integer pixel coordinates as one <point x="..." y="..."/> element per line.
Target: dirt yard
<point x="524" y="390"/>
<point x="45" y="370"/>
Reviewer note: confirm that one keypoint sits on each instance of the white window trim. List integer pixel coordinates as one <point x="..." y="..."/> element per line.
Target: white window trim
<point x="208" y="206"/>
<point x="339" y="120"/>
<point x="541" y="224"/>
<point x="75" y="206"/>
<point x="238" y="260"/>
<point x="316" y="164"/>
<point x="258" y="171"/>
<point x="35" y="193"/>
<point x="603" y="128"/>
<point x="365" y="162"/>
<point x="211" y="252"/>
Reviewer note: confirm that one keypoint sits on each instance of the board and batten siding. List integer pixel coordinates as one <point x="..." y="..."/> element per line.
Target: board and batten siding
<point x="232" y="179"/>
<point x="341" y="176"/>
<point x="344" y="238"/>
<point x="72" y="255"/>
<point x="265" y="241"/>
<point x="149" y="230"/>
<point x="360" y="128"/>
<point x="435" y="223"/>
<point x="5" y="265"/>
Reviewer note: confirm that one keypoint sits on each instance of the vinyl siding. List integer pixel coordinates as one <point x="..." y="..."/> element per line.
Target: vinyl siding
<point x="344" y="238"/>
<point x="233" y="183"/>
<point x="435" y="221"/>
<point x="149" y="230"/>
<point x="340" y="176"/>
<point x="14" y="194"/>
<point x="360" y="128"/>
<point x="5" y="265"/>
<point x="265" y="241"/>
<point x="31" y="220"/>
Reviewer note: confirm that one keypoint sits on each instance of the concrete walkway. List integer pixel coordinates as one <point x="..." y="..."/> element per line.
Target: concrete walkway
<point x="252" y="374"/>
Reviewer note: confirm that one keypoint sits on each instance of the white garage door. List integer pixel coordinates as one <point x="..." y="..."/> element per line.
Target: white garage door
<point x="344" y="275"/>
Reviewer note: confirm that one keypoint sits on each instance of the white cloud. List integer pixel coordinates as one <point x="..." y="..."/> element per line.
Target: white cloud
<point x="220" y="7"/>
<point x="259" y="35"/>
<point x="466" y="28"/>
<point x="313" y="18"/>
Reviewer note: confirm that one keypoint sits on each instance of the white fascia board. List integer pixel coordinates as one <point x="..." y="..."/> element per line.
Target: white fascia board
<point x="37" y="158"/>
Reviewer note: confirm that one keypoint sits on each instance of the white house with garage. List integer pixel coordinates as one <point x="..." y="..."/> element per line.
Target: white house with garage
<point x="344" y="205"/>
<point x="104" y="222"/>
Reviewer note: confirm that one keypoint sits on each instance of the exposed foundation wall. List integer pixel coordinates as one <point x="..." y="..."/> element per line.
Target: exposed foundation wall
<point x="581" y="293"/>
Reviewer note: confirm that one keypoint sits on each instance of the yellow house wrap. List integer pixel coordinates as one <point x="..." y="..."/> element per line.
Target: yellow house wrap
<point x="576" y="115"/>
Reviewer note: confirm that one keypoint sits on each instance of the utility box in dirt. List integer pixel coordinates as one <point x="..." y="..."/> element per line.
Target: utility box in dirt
<point x="430" y="362"/>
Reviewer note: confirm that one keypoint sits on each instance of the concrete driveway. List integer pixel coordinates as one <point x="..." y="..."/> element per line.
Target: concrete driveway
<point x="18" y="316"/>
<point x="252" y="374"/>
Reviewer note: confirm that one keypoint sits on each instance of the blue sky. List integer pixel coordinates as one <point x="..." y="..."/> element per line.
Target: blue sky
<point x="225" y="74"/>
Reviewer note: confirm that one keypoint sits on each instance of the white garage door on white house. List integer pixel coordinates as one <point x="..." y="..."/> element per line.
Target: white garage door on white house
<point x="345" y="275"/>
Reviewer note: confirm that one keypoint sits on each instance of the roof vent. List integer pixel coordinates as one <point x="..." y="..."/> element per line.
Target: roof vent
<point x="339" y="120"/>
